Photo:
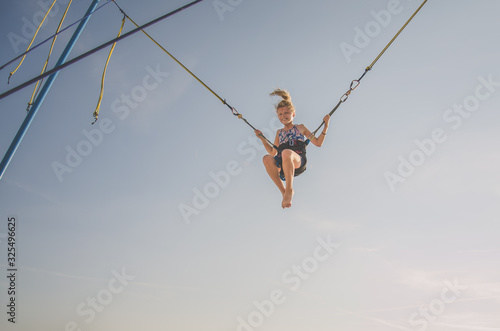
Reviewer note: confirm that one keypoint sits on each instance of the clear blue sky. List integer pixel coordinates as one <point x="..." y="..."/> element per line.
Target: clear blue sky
<point x="164" y="217"/>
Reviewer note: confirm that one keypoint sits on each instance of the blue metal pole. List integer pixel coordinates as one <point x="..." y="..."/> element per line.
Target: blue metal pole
<point x="43" y="92"/>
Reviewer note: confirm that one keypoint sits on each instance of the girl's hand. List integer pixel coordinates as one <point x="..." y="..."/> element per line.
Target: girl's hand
<point x="326" y="120"/>
<point x="259" y="134"/>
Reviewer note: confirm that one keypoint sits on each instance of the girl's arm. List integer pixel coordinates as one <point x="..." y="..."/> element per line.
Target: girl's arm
<point x="317" y="141"/>
<point x="270" y="149"/>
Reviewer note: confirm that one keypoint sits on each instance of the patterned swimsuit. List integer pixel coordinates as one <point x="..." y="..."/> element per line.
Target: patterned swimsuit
<point x="292" y="134"/>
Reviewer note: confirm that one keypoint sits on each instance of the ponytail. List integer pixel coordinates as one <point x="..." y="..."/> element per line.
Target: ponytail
<point x="286" y="99"/>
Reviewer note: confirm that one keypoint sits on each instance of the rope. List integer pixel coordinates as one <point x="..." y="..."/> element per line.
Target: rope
<point x="94" y="50"/>
<point x="51" y="37"/>
<point x="397" y="34"/>
<point x="355" y="83"/>
<point x="32" y="40"/>
<point x="39" y="83"/>
<point x="169" y="54"/>
<point x="233" y="110"/>
<point x="96" y="112"/>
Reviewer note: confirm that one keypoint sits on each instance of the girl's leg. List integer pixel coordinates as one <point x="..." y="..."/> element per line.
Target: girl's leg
<point x="290" y="161"/>
<point x="274" y="172"/>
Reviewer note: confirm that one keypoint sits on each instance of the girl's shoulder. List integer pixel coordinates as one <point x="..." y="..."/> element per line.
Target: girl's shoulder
<point x="301" y="127"/>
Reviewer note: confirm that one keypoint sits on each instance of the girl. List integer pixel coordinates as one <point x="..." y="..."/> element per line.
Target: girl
<point x="290" y="158"/>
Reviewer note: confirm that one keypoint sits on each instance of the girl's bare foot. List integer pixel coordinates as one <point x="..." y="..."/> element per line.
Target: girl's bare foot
<point x="287" y="199"/>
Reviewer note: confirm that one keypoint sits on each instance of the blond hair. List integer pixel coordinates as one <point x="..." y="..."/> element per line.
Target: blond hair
<point x="286" y="99"/>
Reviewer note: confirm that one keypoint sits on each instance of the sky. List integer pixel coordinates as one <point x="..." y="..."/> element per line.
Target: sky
<point x="161" y="215"/>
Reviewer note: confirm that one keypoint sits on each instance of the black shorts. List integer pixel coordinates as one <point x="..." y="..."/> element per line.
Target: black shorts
<point x="298" y="171"/>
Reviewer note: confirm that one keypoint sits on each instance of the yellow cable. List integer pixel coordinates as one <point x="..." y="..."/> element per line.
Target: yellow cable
<point x="38" y="83"/>
<point x="33" y="39"/>
<point x="397" y="34"/>
<point x="178" y="62"/>
<point x="96" y="112"/>
<point x="355" y="83"/>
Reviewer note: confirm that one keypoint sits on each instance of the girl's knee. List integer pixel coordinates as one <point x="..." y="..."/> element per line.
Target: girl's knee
<point x="268" y="159"/>
<point x="287" y="153"/>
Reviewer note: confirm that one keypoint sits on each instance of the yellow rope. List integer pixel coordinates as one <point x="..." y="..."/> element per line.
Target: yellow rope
<point x="96" y="112"/>
<point x="355" y="83"/>
<point x="38" y="83"/>
<point x="178" y="62"/>
<point x="397" y="34"/>
<point x="33" y="39"/>
<point x="233" y="110"/>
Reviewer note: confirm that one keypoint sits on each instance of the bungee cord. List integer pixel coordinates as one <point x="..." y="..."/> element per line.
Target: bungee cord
<point x="38" y="85"/>
<point x="51" y="37"/>
<point x="233" y="110"/>
<point x="32" y="40"/>
<point x="94" y="50"/>
<point x="355" y="83"/>
<point x="96" y="112"/>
